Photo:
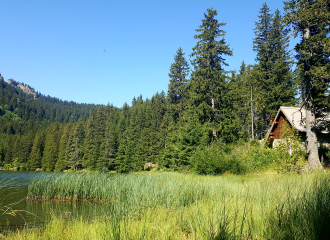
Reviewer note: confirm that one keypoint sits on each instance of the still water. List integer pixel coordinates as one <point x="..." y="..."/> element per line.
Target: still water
<point x="13" y="192"/>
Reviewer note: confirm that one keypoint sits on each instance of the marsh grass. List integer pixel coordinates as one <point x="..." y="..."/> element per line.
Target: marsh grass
<point x="178" y="206"/>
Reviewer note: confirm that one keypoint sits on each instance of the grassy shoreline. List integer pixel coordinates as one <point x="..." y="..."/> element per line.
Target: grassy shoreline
<point x="180" y="206"/>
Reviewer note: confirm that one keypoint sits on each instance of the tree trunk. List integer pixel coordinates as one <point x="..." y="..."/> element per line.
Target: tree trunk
<point x="312" y="145"/>
<point x="213" y="105"/>
<point x="252" y="116"/>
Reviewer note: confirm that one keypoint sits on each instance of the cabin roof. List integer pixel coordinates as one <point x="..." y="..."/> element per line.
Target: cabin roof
<point x="296" y="116"/>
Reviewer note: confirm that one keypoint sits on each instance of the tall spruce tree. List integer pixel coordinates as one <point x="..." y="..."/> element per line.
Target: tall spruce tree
<point x="265" y="76"/>
<point x="284" y="87"/>
<point x="310" y="20"/>
<point x="177" y="93"/>
<point x="50" y="154"/>
<point x="238" y="99"/>
<point x="75" y="146"/>
<point x="63" y="156"/>
<point x="35" y="157"/>
<point x="274" y="84"/>
<point x="207" y="85"/>
<point x="95" y="133"/>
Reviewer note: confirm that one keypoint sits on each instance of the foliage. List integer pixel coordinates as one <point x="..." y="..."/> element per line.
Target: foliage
<point x="189" y="128"/>
<point x="208" y="84"/>
<point x="20" y="112"/>
<point x="177" y="92"/>
<point x="273" y="80"/>
<point x="292" y="152"/>
<point x="227" y="207"/>
<point x="215" y="160"/>
<point x="241" y="159"/>
<point x="310" y="20"/>
<point x="305" y="216"/>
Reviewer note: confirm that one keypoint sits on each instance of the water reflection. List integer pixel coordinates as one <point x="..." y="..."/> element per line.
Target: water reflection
<point x="13" y="190"/>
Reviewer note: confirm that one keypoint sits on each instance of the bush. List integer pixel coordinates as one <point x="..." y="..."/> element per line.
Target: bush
<point x="217" y="159"/>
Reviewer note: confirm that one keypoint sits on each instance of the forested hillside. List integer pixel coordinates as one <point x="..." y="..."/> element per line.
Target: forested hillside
<point x="203" y="104"/>
<point x="21" y="112"/>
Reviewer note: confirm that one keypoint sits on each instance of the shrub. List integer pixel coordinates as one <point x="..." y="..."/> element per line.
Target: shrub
<point x="217" y="159"/>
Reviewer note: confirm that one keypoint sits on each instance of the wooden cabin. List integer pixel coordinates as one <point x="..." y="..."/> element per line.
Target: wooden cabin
<point x="295" y="117"/>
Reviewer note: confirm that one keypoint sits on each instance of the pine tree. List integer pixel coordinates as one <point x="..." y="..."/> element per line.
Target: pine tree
<point x="264" y="71"/>
<point x="63" y="156"/>
<point x="238" y="99"/>
<point x="35" y="157"/>
<point x="310" y="20"/>
<point x="50" y="154"/>
<point x="95" y="134"/>
<point x="191" y="136"/>
<point x="89" y="141"/>
<point x="124" y="161"/>
<point x="284" y="87"/>
<point x="23" y="150"/>
<point x="110" y="144"/>
<point x="208" y="83"/>
<point x="122" y="125"/>
<point x="75" y="146"/>
<point x="177" y="92"/>
<point x="275" y="81"/>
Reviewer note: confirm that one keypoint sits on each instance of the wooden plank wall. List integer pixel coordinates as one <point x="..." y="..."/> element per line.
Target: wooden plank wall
<point x="280" y="121"/>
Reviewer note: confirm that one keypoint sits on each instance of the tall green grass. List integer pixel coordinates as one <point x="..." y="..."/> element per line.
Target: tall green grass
<point x="178" y="206"/>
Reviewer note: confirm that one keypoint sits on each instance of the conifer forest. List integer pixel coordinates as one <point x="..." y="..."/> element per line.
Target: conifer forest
<point x="205" y="108"/>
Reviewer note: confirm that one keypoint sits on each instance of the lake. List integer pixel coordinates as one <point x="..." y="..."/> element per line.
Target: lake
<point x="13" y="190"/>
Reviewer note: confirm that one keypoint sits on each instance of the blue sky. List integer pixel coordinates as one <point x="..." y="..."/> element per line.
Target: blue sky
<point x="110" y="51"/>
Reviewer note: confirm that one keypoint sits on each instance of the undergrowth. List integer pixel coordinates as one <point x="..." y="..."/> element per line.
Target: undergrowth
<point x="180" y="206"/>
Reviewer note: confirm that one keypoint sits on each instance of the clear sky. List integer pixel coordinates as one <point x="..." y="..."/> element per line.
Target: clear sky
<point x="110" y="51"/>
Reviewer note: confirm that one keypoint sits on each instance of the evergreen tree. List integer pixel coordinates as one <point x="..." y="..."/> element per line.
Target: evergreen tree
<point x="171" y="152"/>
<point x="75" y="146"/>
<point x="238" y="100"/>
<point x="50" y="154"/>
<point x="109" y="145"/>
<point x="89" y="141"/>
<point x="264" y="72"/>
<point x="23" y="149"/>
<point x="275" y="81"/>
<point x="94" y="136"/>
<point x="63" y="156"/>
<point x="310" y="20"/>
<point x="35" y="157"/>
<point x="124" y="153"/>
<point x="179" y="72"/>
<point x="191" y="136"/>
<point x="7" y="143"/>
<point x="208" y="83"/>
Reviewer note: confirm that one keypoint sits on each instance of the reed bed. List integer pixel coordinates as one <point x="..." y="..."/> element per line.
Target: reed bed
<point x="178" y="206"/>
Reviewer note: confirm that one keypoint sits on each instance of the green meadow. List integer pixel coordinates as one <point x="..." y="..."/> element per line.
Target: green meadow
<point x="186" y="206"/>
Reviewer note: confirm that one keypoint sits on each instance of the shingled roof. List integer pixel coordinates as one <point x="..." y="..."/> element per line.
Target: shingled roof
<point x="296" y="116"/>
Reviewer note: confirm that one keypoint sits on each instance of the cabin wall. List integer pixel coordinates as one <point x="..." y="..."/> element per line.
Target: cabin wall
<point x="278" y="127"/>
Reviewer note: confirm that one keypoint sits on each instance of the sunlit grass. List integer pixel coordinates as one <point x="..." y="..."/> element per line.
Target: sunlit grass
<point x="179" y="206"/>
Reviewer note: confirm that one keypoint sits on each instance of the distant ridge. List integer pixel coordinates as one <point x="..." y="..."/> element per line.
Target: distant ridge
<point x="26" y="88"/>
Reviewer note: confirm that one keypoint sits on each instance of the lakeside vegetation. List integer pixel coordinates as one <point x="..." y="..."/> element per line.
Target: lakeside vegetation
<point x="210" y="122"/>
<point x="186" y="206"/>
<point x="204" y="104"/>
